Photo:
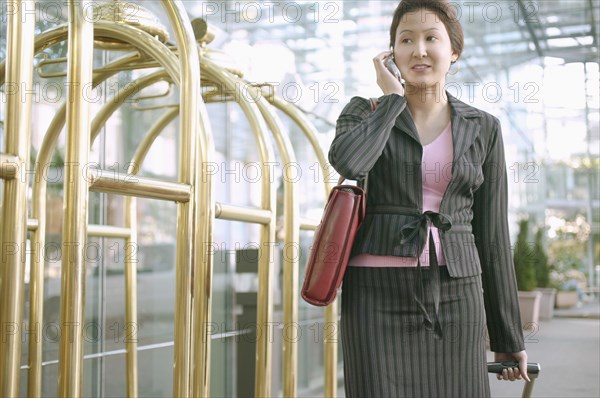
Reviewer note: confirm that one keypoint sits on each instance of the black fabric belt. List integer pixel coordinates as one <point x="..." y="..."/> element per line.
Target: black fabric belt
<point x="392" y="209"/>
<point x="419" y="228"/>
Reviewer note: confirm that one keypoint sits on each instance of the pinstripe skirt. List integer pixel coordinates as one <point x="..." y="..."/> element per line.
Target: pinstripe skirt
<point x="387" y="350"/>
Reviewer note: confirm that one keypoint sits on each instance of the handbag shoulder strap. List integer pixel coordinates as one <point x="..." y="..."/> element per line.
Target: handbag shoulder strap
<point x="374" y="102"/>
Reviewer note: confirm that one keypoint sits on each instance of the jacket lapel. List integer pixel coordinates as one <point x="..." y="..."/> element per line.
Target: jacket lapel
<point x="406" y="124"/>
<point x="465" y="126"/>
<point x="464" y="129"/>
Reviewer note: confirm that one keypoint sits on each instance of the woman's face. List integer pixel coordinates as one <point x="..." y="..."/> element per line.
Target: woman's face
<point x="422" y="50"/>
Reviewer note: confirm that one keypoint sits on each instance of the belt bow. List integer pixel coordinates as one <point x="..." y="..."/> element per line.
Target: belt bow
<point x="407" y="234"/>
<point x="419" y="226"/>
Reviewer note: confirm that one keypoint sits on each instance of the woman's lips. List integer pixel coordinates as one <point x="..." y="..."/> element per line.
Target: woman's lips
<point x="419" y="68"/>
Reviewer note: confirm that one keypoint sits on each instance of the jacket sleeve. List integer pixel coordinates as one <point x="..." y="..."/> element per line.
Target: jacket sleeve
<point x="361" y="135"/>
<point x="490" y="227"/>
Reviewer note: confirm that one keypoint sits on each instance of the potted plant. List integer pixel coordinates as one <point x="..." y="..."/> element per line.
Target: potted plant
<point x="567" y="282"/>
<point x="566" y="297"/>
<point x="529" y="299"/>
<point x="542" y="276"/>
<point x="566" y="251"/>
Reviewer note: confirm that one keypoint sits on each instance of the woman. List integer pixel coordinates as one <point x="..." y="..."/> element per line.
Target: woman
<point x="413" y="319"/>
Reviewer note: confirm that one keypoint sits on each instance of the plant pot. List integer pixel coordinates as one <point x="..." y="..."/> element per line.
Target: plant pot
<point x="529" y="303"/>
<point x="566" y="299"/>
<point x="547" y="302"/>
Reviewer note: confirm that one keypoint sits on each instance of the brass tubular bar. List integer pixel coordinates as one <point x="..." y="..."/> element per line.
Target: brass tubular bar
<point x="9" y="166"/>
<point x="330" y="341"/>
<point x="153" y="189"/>
<point x="139" y="62"/>
<point x="154" y="107"/>
<point x="130" y="217"/>
<point x="331" y="311"/>
<point x="309" y="132"/>
<point x="45" y="62"/>
<point x="291" y="226"/>
<point x="141" y="187"/>
<point x="203" y="226"/>
<point x="79" y="74"/>
<point x="154" y="96"/>
<point x="32" y="224"/>
<point x="131" y="223"/>
<point x="121" y="96"/>
<point x="113" y="104"/>
<point x="194" y="218"/>
<point x="131" y="319"/>
<point x="150" y="188"/>
<point x="13" y="232"/>
<point x="108" y="231"/>
<point x="131" y="258"/>
<point x="141" y="153"/>
<point x="222" y="211"/>
<point x="38" y="239"/>
<point x="144" y="146"/>
<point x="36" y="296"/>
<point x="39" y="185"/>
<point x="142" y="40"/>
<point x="43" y="41"/>
<point x="308" y="225"/>
<point x="239" y="213"/>
<point x="58" y="34"/>
<point x="267" y="242"/>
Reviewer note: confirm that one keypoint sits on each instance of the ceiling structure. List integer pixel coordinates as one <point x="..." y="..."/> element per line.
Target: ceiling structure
<point x="498" y="34"/>
<point x="565" y="29"/>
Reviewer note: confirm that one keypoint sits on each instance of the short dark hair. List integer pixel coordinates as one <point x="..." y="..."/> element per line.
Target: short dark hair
<point x="442" y="9"/>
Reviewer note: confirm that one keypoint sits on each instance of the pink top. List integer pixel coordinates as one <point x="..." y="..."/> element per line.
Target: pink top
<point x="436" y="166"/>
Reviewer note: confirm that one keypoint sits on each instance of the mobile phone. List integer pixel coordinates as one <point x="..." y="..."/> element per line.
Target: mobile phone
<point x="391" y="65"/>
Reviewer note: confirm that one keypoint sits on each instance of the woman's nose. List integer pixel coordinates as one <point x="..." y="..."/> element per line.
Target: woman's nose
<point x="419" y="50"/>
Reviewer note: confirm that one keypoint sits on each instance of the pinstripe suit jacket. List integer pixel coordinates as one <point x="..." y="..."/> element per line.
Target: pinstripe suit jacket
<point x="385" y="146"/>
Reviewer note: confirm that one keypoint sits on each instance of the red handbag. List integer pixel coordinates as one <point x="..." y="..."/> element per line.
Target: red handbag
<point x="343" y="215"/>
<point x="330" y="252"/>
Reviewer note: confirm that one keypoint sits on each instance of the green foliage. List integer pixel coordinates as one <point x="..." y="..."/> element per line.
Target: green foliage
<point x="524" y="259"/>
<point x="567" y="280"/>
<point x="542" y="267"/>
<point x="567" y="253"/>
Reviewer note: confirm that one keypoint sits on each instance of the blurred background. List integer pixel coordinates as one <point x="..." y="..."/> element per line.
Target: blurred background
<point x="533" y="64"/>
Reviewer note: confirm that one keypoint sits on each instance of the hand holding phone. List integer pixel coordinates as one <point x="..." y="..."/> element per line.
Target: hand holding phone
<point x="391" y="66"/>
<point x="384" y="65"/>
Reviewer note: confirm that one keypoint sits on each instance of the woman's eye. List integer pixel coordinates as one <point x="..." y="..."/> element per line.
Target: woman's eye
<point x="432" y="38"/>
<point x="405" y="40"/>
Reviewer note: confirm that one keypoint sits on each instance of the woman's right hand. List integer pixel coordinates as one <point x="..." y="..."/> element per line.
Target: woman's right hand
<point x="388" y="83"/>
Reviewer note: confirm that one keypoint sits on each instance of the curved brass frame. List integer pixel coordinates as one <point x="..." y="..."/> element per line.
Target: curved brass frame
<point x="191" y="143"/>
<point x="129" y="232"/>
<point x="331" y="311"/>
<point x="193" y="193"/>
<point x="39" y="189"/>
<point x="291" y="226"/>
<point x="267" y="242"/>
<point x="14" y="208"/>
<point x="79" y="74"/>
<point x="38" y="236"/>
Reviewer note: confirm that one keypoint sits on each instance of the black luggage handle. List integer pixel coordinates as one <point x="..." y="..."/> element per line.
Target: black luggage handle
<point x="533" y="369"/>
